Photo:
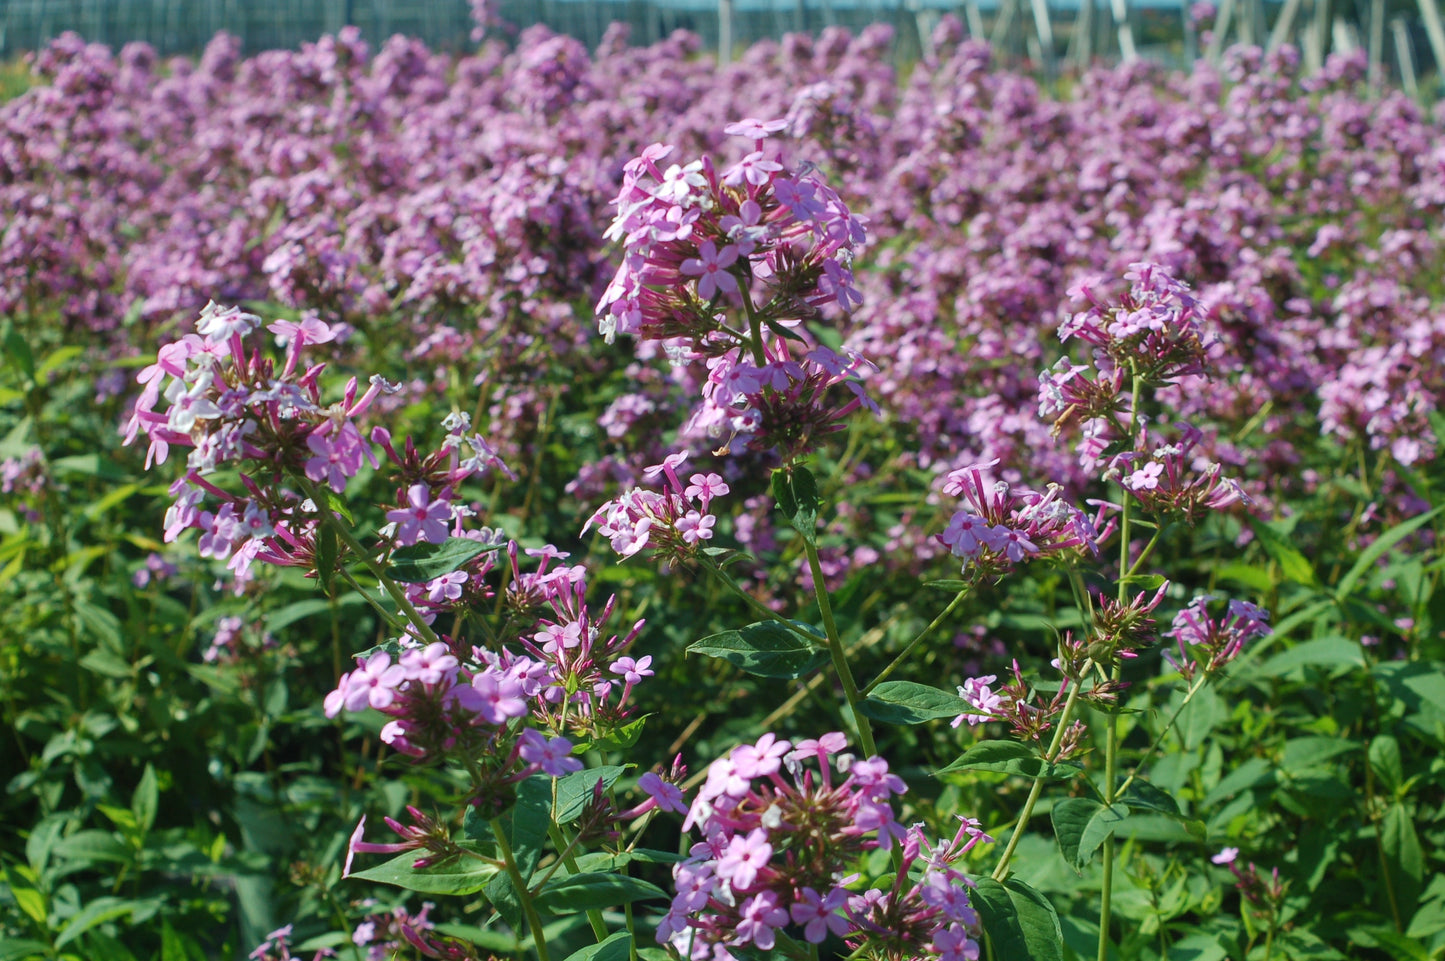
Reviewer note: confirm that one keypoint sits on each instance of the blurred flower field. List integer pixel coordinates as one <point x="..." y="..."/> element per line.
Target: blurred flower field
<point x="572" y="504"/>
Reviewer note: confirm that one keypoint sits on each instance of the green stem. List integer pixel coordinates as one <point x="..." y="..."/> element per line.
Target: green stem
<point x="908" y="648"/>
<point x="753" y="602"/>
<point x="594" y="916"/>
<point x="1000" y="871"/>
<point x="519" y="884"/>
<point x="343" y="534"/>
<point x="755" y="325"/>
<point x="1111" y="742"/>
<point x="1159" y="738"/>
<point x="836" y="652"/>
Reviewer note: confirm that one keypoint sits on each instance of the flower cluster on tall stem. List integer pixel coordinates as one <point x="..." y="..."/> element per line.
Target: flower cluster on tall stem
<point x="727" y="268"/>
<point x="782" y="829"/>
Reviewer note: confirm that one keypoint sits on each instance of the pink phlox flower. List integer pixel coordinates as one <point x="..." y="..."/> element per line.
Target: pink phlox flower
<point x="1145" y="478"/>
<point x="800" y="197"/>
<point x="554" y="755"/>
<point x="499" y="697"/>
<point x="760" y="917"/>
<point x="976" y="691"/>
<point x="219" y="324"/>
<point x="667" y="468"/>
<point x="695" y="527"/>
<point x="953" y="944"/>
<point x="422" y="519"/>
<point x="555" y="637"/>
<point x="677" y="182"/>
<point x="754" y="169"/>
<point x="946" y="891"/>
<point x="190" y="403"/>
<point x="1226" y="856"/>
<point x="447" y="587"/>
<point x="695" y="884"/>
<point x="705" y="487"/>
<point x="967" y="535"/>
<point x="821" y="914"/>
<point x="669" y="797"/>
<point x="877" y="816"/>
<point x="337" y="454"/>
<point x="760" y="760"/>
<point x="428" y="664"/>
<point x="632" y="671"/>
<point x="374" y="683"/>
<point x="306" y="332"/>
<point x="1017" y="546"/>
<point x="221" y="531"/>
<point x="744" y="858"/>
<point x="754" y="129"/>
<point x="877" y="783"/>
<point x="710" y="266"/>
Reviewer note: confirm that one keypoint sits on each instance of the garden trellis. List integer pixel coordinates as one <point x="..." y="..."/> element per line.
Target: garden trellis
<point x="1404" y="39"/>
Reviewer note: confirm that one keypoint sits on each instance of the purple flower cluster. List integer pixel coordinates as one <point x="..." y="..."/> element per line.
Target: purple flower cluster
<point x="1003" y="525"/>
<point x="571" y="677"/>
<point x="780" y="832"/>
<point x="234" y="409"/>
<point x="1206" y="644"/>
<point x="757" y="241"/>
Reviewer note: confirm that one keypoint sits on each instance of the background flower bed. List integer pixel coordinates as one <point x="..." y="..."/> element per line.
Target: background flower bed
<point x="451" y="214"/>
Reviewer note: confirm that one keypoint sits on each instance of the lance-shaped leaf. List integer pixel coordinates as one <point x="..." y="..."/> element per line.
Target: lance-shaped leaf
<point x="765" y="649"/>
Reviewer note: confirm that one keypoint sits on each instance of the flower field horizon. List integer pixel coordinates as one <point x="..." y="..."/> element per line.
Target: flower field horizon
<point x="566" y="504"/>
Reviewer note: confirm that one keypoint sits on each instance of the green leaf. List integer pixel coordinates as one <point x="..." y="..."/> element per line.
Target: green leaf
<point x="1378" y="547"/>
<point x="617" y="947"/>
<point x="1020" y="922"/>
<point x="764" y="649"/>
<point x="1009" y="757"/>
<point x="1292" y="564"/>
<point x="23" y="950"/>
<point x="18" y="351"/>
<point x="949" y="585"/>
<point x="419" y="563"/>
<point x="1081" y="824"/>
<point x="1251" y="773"/>
<point x="146" y="799"/>
<point x="595" y="890"/>
<point x="94" y="914"/>
<point x="1143" y="796"/>
<point x="1069" y="818"/>
<point x="904" y="702"/>
<point x="1324" y="652"/>
<point x="525" y="826"/>
<point x="93" y="845"/>
<point x="1303" y="753"/>
<point x="797" y="497"/>
<point x="328" y="549"/>
<point x="1385" y="761"/>
<point x="574" y="791"/>
<point x="618" y="739"/>
<point x="291" y="613"/>
<point x="463" y="875"/>
<point x="1404" y="858"/>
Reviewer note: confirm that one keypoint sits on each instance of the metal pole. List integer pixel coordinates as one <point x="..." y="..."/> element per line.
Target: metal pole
<point x="724" y="32"/>
<point x="1284" y="26"/>
<point x="1431" y="12"/>
<point x="1407" y="60"/>
<point x="1221" y="30"/>
<point x="1377" y="42"/>
<point x="1127" y="49"/>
